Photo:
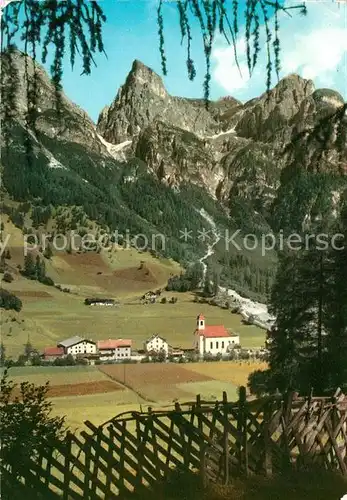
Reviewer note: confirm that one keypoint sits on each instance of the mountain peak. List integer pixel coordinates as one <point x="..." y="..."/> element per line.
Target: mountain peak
<point x="141" y="100"/>
<point x="143" y="75"/>
<point x="140" y="66"/>
<point x="295" y="81"/>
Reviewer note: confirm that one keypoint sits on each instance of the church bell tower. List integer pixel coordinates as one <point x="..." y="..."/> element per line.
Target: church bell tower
<point x="200" y="322"/>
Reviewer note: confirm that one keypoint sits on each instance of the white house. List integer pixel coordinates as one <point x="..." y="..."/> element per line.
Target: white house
<point x="78" y="346"/>
<point x="213" y="339"/>
<point x="156" y="344"/>
<point x="118" y="349"/>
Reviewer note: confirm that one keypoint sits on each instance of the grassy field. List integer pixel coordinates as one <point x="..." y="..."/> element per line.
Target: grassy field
<point x="210" y="390"/>
<point x="94" y="398"/>
<point x="50" y="315"/>
<point x="50" y="319"/>
<point x="98" y="408"/>
<point x="56" y="375"/>
<point x="228" y="371"/>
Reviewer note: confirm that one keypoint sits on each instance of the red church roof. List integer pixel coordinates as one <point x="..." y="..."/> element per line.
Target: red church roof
<point x="213" y="331"/>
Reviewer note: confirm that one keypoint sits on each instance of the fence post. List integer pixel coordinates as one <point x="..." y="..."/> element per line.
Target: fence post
<point x="87" y="476"/>
<point x="286" y="416"/>
<point x="202" y="445"/>
<point x="242" y="431"/>
<point x="68" y="440"/>
<point x="226" y="438"/>
<point x="267" y="441"/>
<point x="109" y="465"/>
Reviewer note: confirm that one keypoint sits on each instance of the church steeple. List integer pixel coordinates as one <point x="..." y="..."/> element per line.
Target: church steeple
<point x="200" y="322"/>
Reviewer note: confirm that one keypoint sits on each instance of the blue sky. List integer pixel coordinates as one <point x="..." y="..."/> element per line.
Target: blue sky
<point x="314" y="47"/>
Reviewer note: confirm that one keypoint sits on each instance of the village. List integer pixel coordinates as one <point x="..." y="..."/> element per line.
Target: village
<point x="210" y="342"/>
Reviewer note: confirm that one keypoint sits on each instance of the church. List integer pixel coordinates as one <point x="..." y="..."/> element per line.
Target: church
<point x="213" y="339"/>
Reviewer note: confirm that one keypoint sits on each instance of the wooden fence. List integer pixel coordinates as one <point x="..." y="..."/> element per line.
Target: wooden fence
<point x="216" y="440"/>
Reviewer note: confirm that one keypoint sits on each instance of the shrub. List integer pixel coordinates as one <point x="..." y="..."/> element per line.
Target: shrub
<point x="36" y="360"/>
<point x="9" y="301"/>
<point x="259" y="382"/>
<point x="26" y="425"/>
<point x="8" y="278"/>
<point x="46" y="280"/>
<point x="81" y="361"/>
<point x="66" y="361"/>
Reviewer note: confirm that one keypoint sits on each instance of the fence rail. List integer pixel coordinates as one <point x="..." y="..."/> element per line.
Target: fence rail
<point x="217" y="440"/>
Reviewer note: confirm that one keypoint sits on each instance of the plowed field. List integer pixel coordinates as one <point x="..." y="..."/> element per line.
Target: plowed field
<point x="56" y="391"/>
<point x="155" y="382"/>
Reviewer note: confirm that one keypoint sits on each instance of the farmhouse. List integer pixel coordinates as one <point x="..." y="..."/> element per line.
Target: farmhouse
<point x="156" y="344"/>
<point x="52" y="353"/>
<point x="78" y="346"/>
<point x="213" y="339"/>
<point x="118" y="349"/>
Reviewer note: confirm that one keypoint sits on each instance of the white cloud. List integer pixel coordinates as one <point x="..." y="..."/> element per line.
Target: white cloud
<point x="314" y="46"/>
<point x="227" y="74"/>
<point x="315" y="54"/>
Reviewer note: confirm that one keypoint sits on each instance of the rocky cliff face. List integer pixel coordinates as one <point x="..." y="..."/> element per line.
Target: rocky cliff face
<point x="157" y="163"/>
<point x="268" y="117"/>
<point x="143" y="99"/>
<point x="242" y="155"/>
<point x="235" y="151"/>
<point x="74" y="124"/>
<point x="220" y="148"/>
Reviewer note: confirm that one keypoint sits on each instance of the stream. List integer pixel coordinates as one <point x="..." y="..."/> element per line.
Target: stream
<point x="249" y="309"/>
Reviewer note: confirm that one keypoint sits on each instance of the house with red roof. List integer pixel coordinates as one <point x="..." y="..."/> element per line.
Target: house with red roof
<point x="114" y="349"/>
<point x="52" y="353"/>
<point x="213" y="339"/>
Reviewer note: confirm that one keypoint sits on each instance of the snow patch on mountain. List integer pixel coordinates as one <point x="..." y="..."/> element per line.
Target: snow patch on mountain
<point x="115" y="150"/>
<point x="230" y="131"/>
<point x="54" y="163"/>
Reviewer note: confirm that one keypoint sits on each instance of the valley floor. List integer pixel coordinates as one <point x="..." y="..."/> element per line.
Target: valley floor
<point x="98" y="393"/>
<point x="114" y="389"/>
<point x="48" y="316"/>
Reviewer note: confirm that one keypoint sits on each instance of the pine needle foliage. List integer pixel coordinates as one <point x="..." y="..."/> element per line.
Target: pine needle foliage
<point x="59" y="28"/>
<point x="75" y="27"/>
<point x="216" y="17"/>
